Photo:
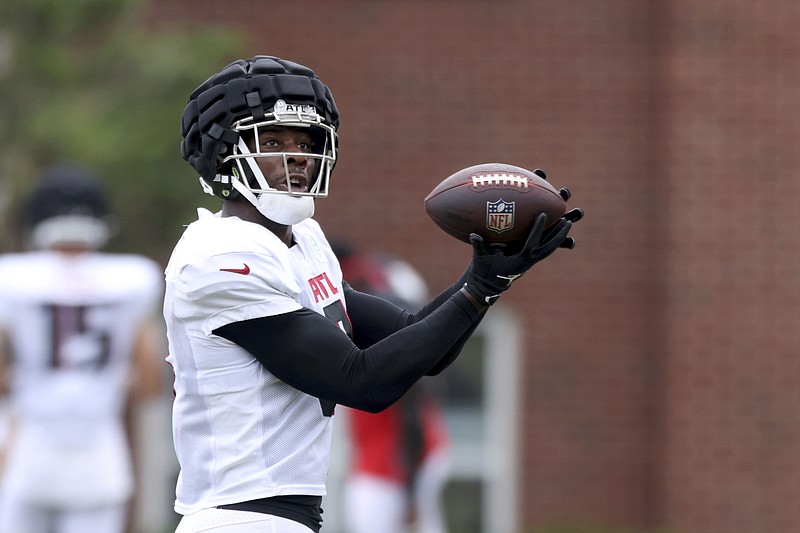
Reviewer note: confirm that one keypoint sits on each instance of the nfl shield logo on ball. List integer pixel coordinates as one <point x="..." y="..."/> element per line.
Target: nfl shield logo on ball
<point x="500" y="215"/>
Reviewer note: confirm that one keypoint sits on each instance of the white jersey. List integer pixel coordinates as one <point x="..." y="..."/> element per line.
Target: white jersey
<point x="241" y="434"/>
<point x="72" y="321"/>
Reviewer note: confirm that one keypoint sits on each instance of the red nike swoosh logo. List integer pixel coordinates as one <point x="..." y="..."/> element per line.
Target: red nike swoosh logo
<point x="245" y="270"/>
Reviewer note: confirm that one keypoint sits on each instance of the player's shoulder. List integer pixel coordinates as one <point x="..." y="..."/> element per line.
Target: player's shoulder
<point x="17" y="259"/>
<point x="214" y="244"/>
<point x="212" y="234"/>
<point x="310" y="230"/>
<point x="134" y="267"/>
<point x="310" y="224"/>
<point x="315" y="244"/>
<point x="13" y="260"/>
<point x="123" y="277"/>
<point x="12" y="265"/>
<point x="108" y="275"/>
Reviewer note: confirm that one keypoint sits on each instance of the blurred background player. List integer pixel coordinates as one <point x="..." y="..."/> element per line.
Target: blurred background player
<point x="79" y="347"/>
<point x="399" y="458"/>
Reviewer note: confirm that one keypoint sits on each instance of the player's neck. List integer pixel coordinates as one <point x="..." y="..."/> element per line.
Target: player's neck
<point x="246" y="211"/>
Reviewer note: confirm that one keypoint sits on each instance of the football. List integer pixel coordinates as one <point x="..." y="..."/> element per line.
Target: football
<point x="499" y="202"/>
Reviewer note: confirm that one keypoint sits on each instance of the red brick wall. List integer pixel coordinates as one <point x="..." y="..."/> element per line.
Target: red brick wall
<point x="732" y="425"/>
<point x="662" y="367"/>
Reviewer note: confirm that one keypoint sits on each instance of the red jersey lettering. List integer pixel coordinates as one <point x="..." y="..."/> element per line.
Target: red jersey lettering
<point x="321" y="287"/>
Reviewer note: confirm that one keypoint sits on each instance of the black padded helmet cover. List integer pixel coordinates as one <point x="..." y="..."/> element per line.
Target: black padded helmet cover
<point x="246" y="88"/>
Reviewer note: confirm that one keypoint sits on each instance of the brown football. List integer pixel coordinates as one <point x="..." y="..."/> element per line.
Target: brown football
<point x="499" y="202"/>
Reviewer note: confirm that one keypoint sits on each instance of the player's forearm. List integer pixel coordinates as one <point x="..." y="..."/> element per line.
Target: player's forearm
<point x="455" y="350"/>
<point x="308" y="352"/>
<point x="374" y="318"/>
<point x="395" y="363"/>
<point x="440" y="298"/>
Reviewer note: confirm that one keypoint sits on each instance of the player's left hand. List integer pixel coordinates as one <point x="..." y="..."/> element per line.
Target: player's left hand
<point x="492" y="270"/>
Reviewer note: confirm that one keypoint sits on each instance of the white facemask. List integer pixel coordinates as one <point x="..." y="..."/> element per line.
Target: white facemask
<point x="279" y="207"/>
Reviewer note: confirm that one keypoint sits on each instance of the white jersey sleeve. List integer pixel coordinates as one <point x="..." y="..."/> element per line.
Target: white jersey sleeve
<point x="235" y="286"/>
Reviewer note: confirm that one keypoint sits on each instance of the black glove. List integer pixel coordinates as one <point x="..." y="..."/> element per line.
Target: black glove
<point x="491" y="271"/>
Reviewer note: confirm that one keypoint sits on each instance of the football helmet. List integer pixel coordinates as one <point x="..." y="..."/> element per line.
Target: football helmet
<point x="232" y="106"/>
<point x="382" y="275"/>
<point x="68" y="207"/>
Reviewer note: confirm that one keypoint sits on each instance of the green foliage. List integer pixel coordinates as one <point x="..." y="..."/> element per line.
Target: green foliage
<point x="88" y="81"/>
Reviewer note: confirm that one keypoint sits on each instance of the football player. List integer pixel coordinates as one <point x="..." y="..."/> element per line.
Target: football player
<point x="265" y="337"/>
<point x="81" y="342"/>
<point x="399" y="458"/>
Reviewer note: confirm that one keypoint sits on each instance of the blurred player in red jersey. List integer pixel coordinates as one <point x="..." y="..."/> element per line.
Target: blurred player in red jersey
<point x="399" y="457"/>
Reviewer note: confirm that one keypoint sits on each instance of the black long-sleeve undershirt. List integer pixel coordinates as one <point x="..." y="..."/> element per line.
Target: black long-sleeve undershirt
<point x="390" y="351"/>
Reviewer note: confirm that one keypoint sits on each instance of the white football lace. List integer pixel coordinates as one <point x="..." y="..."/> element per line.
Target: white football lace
<point x="500" y="178"/>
